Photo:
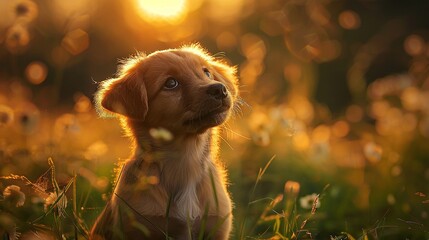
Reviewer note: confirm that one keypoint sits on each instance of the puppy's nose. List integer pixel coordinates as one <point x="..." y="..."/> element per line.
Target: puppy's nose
<point x="218" y="91"/>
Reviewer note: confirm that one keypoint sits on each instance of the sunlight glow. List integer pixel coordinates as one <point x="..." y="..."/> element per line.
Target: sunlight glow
<point x="162" y="10"/>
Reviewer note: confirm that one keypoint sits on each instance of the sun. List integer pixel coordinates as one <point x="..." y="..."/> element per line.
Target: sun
<point x="162" y="10"/>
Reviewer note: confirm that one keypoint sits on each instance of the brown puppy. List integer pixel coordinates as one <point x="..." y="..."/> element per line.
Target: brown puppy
<point x="172" y="186"/>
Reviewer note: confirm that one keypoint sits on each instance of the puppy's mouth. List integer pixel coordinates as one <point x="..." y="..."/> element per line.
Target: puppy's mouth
<point x="209" y="118"/>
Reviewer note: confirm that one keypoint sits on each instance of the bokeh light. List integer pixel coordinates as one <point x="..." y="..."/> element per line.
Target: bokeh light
<point x="172" y="11"/>
<point x="17" y="38"/>
<point x="349" y="20"/>
<point x="6" y="115"/>
<point x="226" y="40"/>
<point x="414" y="45"/>
<point x="36" y="72"/>
<point x="226" y="11"/>
<point x="340" y="129"/>
<point x="27" y="117"/>
<point x="25" y="10"/>
<point x="76" y="41"/>
<point x="354" y="113"/>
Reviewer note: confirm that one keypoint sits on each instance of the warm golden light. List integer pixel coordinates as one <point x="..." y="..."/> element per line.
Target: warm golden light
<point x="349" y="20"/>
<point x="36" y="72"/>
<point x="162" y="10"/>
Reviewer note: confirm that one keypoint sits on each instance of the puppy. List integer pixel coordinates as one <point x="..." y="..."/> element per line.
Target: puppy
<point x="173" y="187"/>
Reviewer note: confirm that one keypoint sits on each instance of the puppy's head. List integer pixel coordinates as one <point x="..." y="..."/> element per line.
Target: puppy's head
<point x="183" y="90"/>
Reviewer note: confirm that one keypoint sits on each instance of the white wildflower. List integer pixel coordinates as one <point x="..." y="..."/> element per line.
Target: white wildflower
<point x="161" y="134"/>
<point x="308" y="201"/>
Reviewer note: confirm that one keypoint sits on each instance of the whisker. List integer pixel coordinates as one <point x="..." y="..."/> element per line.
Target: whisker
<point x="226" y="142"/>
<point x="219" y="55"/>
<point x="236" y="133"/>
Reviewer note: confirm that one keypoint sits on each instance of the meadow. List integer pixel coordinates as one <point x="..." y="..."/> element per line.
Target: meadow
<point x="332" y="143"/>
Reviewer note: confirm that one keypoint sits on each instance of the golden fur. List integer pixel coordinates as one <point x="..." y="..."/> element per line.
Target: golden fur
<point x="175" y="187"/>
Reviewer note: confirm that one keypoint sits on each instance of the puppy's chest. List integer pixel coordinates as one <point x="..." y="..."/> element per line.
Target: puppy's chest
<point x="185" y="183"/>
<point x="182" y="189"/>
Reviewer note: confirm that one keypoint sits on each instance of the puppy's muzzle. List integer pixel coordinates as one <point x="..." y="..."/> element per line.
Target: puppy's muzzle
<point x="217" y="91"/>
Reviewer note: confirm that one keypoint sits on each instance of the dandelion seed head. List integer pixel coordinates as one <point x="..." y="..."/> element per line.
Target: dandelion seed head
<point x="17" y="38"/>
<point x="262" y="138"/>
<point x="27" y="116"/>
<point x="6" y="115"/>
<point x="25" y="10"/>
<point x="308" y="201"/>
<point x="14" y="195"/>
<point x="373" y="152"/>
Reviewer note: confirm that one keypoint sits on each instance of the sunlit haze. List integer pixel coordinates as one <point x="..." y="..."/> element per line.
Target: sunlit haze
<point x="162" y="10"/>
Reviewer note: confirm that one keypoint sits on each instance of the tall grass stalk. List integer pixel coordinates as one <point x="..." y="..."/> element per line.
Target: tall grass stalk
<point x="258" y="179"/>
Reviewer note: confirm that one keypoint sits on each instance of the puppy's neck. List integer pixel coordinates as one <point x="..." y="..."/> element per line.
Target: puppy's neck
<point x="158" y="150"/>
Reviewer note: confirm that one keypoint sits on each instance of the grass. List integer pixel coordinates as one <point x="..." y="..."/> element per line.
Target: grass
<point x="279" y="219"/>
<point x="295" y="195"/>
<point x="58" y="213"/>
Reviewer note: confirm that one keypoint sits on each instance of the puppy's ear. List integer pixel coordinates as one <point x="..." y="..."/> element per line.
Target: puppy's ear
<point x="125" y="96"/>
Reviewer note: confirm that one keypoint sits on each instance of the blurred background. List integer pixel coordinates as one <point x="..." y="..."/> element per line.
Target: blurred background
<point x="337" y="96"/>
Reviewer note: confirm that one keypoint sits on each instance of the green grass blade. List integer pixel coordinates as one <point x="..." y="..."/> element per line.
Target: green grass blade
<point x="203" y="223"/>
<point x="214" y="191"/>
<point x="167" y="215"/>
<point x="219" y="223"/>
<point x="135" y="211"/>
<point x="258" y="178"/>
<point x="62" y="194"/>
<point x="75" y="204"/>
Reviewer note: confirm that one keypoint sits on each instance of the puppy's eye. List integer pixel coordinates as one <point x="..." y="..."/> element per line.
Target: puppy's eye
<point x="171" y="83"/>
<point x="207" y="73"/>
